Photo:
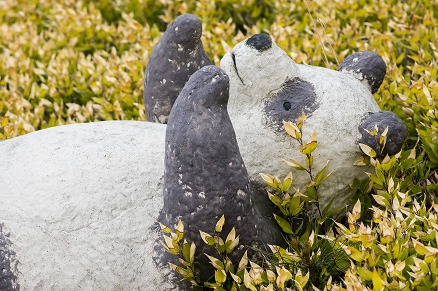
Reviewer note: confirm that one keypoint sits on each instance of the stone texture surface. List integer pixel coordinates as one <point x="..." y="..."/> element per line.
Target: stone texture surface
<point x="205" y="177"/>
<point x="260" y="78"/>
<point x="260" y="42"/>
<point x="295" y="97"/>
<point x="366" y="66"/>
<point x="8" y="263"/>
<point x="178" y="54"/>
<point x="80" y="203"/>
<point x="395" y="136"/>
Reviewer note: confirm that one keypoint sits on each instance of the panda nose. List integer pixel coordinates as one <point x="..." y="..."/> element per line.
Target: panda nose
<point x="260" y="42"/>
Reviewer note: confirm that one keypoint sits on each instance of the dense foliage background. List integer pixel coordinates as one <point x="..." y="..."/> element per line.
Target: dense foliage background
<point x="81" y="61"/>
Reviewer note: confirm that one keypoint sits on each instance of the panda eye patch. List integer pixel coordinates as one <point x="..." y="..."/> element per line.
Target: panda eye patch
<point x="295" y="97"/>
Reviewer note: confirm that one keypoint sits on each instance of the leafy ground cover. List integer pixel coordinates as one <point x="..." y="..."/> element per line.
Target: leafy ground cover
<point x="81" y="61"/>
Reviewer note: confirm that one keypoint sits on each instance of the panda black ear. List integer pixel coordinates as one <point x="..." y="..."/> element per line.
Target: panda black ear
<point x="395" y="137"/>
<point x="365" y="65"/>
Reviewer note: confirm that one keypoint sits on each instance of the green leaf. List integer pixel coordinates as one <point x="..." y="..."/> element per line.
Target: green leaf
<point x="320" y="175"/>
<point x="284" y="224"/>
<point x="164" y="228"/>
<point x="192" y="252"/>
<point x="220" y="276"/>
<point x="275" y="199"/>
<point x="217" y="264"/>
<point x="309" y="160"/>
<point x="186" y="251"/>
<point x="295" y="205"/>
<point x="219" y="243"/>
<point x="287" y="183"/>
<point x="367" y="150"/>
<point x="377" y="281"/>
<point x="308" y="148"/>
<point x="208" y="239"/>
<point x="365" y="274"/>
<point x="270" y="180"/>
<point x="231" y="245"/>
<point x="312" y="193"/>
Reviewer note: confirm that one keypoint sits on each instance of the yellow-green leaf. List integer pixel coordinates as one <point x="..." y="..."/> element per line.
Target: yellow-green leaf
<point x="216" y="263"/>
<point x="377" y="281"/>
<point x="164" y="228"/>
<point x="300" y="120"/>
<point x="284" y="224"/>
<point x="294" y="164"/>
<point x="243" y="262"/>
<point x="208" y="239"/>
<point x="220" y="224"/>
<point x="367" y="150"/>
<point x="220" y="276"/>
<point x="231" y="235"/>
<point x="292" y="130"/>
<point x="308" y="148"/>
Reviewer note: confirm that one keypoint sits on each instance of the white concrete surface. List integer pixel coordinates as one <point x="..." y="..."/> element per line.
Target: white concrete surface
<point x="80" y="203"/>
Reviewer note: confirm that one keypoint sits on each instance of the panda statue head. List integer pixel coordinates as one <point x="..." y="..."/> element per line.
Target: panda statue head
<point x="267" y="87"/>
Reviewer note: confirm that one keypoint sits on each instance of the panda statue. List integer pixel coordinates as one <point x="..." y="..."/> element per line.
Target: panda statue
<point x="79" y="204"/>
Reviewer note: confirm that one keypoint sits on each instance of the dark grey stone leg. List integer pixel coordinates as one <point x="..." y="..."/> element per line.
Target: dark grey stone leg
<point x="204" y="173"/>
<point x="178" y="54"/>
<point x="365" y="65"/>
<point x="8" y="265"/>
<point x="396" y="135"/>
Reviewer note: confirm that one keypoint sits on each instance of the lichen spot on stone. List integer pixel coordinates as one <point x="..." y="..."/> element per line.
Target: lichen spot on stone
<point x="214" y="79"/>
<point x="163" y="118"/>
<point x="241" y="193"/>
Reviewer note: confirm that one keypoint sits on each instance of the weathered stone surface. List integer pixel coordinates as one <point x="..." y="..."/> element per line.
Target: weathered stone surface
<point x="8" y="264"/>
<point x="261" y="84"/>
<point x="80" y="203"/>
<point x="178" y="54"/>
<point x="366" y="66"/>
<point x="395" y="136"/>
<point x="260" y="42"/>
<point x="205" y="177"/>
<point x="295" y="97"/>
